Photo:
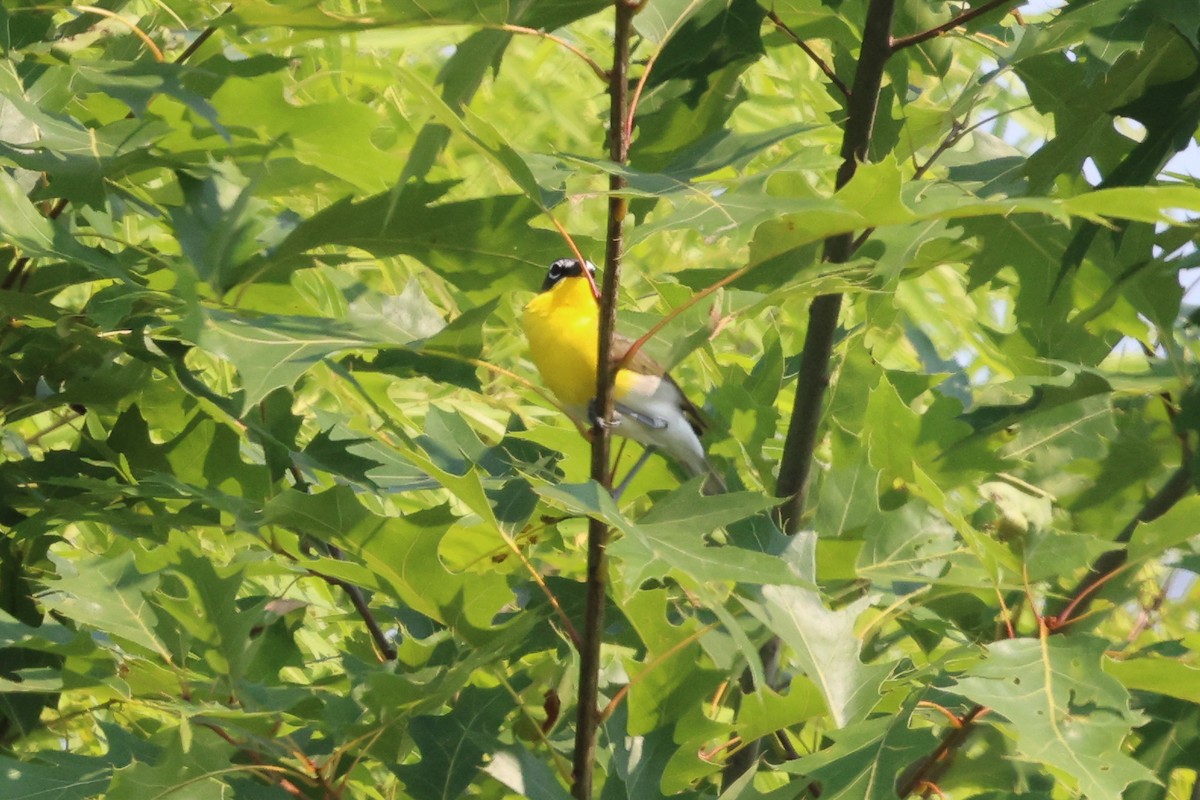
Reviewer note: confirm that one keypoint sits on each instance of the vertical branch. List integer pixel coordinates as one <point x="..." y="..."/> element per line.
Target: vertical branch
<point x="588" y="717"/>
<point x="796" y="467"/>
<point x="813" y="379"/>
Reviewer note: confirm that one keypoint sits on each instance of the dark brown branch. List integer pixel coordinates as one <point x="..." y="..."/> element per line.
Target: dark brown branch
<point x="808" y="51"/>
<point x="962" y="19"/>
<point x="928" y="769"/>
<point x="359" y="600"/>
<point x="796" y="466"/>
<point x="199" y="41"/>
<point x="800" y="444"/>
<point x="588" y="714"/>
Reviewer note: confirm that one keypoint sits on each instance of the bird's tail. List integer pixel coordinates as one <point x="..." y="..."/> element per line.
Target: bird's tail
<point x="713" y="482"/>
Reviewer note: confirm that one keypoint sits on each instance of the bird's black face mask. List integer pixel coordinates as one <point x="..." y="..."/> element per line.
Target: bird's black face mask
<point x="565" y="268"/>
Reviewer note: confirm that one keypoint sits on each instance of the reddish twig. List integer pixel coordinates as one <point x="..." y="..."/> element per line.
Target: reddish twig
<point x="627" y="128"/>
<point x="266" y="769"/>
<point x="138" y="32"/>
<point x="902" y="42"/>
<point x="1111" y="563"/>
<point x="676" y="311"/>
<point x="926" y="771"/>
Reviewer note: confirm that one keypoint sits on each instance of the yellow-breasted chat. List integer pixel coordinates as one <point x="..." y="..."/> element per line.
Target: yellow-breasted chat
<point x="562" y="326"/>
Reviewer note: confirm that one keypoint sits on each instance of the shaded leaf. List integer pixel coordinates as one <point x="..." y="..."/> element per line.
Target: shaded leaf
<point x="1063" y="709"/>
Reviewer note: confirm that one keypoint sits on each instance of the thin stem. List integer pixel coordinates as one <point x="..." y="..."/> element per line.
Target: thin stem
<point x="676" y="311"/>
<point x="260" y="766"/>
<point x="808" y="51"/>
<point x="138" y="32"/>
<point x="574" y="248"/>
<point x="962" y="19"/>
<point x="599" y="71"/>
<point x="588" y="719"/>
<point x="947" y="713"/>
<point x="199" y="41"/>
<point x="541" y="582"/>
<point x="630" y="115"/>
<point x="956" y="133"/>
<point x="1146" y="615"/>
<point x="61" y="421"/>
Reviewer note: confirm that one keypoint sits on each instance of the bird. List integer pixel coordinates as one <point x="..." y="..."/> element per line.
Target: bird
<point x="561" y="324"/>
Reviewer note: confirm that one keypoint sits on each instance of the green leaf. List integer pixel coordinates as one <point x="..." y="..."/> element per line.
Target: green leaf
<point x="865" y="760"/>
<point x="765" y="711"/>
<point x="825" y="647"/>
<point x="55" y="776"/>
<point x="660" y="690"/>
<point x="271" y="352"/>
<point x="195" y="765"/>
<point x="220" y="225"/>
<point x="1062" y="708"/>
<point x="483" y="246"/>
<point x="36" y="236"/>
<point x="1170" y="530"/>
<point x="528" y="777"/>
<point x="452" y="746"/>
<point x="892" y="429"/>
<point x="638" y="762"/>
<point x="110" y="593"/>
<point x="327" y="515"/>
<point x="487" y="140"/>
<point x="671" y="542"/>
<point x="1160" y="675"/>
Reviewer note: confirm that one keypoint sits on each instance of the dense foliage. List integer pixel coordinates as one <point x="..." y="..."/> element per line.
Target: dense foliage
<point x="284" y="513"/>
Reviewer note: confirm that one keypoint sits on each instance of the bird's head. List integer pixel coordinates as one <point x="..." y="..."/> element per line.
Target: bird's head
<point x="565" y="268"/>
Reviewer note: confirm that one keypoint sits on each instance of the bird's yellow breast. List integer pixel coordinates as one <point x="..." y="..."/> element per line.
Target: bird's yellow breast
<point x="562" y="328"/>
